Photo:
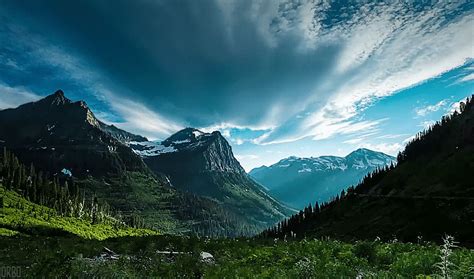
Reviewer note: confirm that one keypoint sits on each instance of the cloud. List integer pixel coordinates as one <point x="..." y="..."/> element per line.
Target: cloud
<point x="392" y="136"/>
<point x="407" y="140"/>
<point x="140" y="119"/>
<point x="468" y="77"/>
<point x="248" y="161"/>
<point x="387" y="148"/>
<point x="71" y="70"/>
<point x="431" y="108"/>
<point x="249" y="156"/>
<point x="455" y="106"/>
<point x="290" y="69"/>
<point x="427" y="124"/>
<point x="387" y="62"/>
<point x="11" y="97"/>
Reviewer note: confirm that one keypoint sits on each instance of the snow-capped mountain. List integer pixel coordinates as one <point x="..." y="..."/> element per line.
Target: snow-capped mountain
<point x="203" y="164"/>
<point x="203" y="151"/>
<point x="299" y="181"/>
<point x="60" y="136"/>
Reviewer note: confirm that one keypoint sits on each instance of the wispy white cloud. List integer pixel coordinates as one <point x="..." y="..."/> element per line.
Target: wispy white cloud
<point x="427" y="124"/>
<point x="423" y="111"/>
<point x="468" y="77"/>
<point x="139" y="119"/>
<point x="367" y="51"/>
<point x="11" y="97"/>
<point x="379" y="59"/>
<point x="248" y="156"/>
<point x="455" y="106"/>
<point x="392" y="136"/>
<point x="387" y="148"/>
<point x="133" y="116"/>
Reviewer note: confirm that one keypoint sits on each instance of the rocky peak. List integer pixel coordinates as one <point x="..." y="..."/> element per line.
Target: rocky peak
<point x="55" y="99"/>
<point x="184" y="136"/>
<point x="206" y="151"/>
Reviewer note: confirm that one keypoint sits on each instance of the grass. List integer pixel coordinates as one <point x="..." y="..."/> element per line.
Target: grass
<point x="19" y="215"/>
<point x="38" y="242"/>
<point x="234" y="258"/>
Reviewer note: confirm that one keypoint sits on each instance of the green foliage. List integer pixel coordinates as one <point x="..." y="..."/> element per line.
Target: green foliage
<point x="235" y="258"/>
<point x="57" y="192"/>
<point x="21" y="215"/>
<point x="429" y="192"/>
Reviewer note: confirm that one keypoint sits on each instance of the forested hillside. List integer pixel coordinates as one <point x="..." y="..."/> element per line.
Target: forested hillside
<point x="429" y="193"/>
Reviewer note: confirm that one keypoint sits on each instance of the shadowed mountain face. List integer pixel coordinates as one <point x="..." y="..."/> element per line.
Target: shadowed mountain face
<point x="55" y="133"/>
<point x="58" y="135"/>
<point x="429" y="193"/>
<point x="300" y="181"/>
<point x="203" y="164"/>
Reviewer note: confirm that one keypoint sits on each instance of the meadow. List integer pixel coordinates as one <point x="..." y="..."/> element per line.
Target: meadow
<point x="149" y="257"/>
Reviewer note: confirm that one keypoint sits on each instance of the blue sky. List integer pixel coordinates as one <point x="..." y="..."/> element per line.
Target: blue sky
<point x="277" y="78"/>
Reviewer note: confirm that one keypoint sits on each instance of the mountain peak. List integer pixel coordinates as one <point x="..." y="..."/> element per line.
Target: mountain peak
<point x="56" y="99"/>
<point x="363" y="150"/>
<point x="186" y="135"/>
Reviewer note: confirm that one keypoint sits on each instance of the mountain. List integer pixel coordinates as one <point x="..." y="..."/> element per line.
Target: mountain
<point x="300" y="181"/>
<point x="429" y="193"/>
<point x="56" y="133"/>
<point x="121" y="135"/>
<point x="60" y="137"/>
<point x="203" y="164"/>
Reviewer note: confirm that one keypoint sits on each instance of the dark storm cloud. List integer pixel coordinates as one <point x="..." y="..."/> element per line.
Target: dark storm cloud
<point x="185" y="59"/>
<point x="297" y="68"/>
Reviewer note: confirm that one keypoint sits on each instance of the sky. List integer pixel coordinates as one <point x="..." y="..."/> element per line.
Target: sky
<point x="277" y="78"/>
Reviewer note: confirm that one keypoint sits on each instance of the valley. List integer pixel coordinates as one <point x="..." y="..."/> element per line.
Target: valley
<point x="155" y="208"/>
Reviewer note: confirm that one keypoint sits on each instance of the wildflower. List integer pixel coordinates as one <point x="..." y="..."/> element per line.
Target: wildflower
<point x="445" y="265"/>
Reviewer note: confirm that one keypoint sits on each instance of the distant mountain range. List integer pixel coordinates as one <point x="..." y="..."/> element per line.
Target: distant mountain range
<point x="429" y="193"/>
<point x="300" y="181"/>
<point x="194" y="185"/>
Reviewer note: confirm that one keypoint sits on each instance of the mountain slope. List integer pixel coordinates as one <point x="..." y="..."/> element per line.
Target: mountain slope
<point x="58" y="136"/>
<point x="203" y="164"/>
<point x="429" y="193"/>
<point x="300" y="181"/>
<point x="56" y="133"/>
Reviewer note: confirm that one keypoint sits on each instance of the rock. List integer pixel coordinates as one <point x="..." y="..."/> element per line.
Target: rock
<point x="109" y="255"/>
<point x="206" y="258"/>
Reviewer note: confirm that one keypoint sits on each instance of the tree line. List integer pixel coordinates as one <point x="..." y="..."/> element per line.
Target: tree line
<point x="58" y="192"/>
<point x="423" y="142"/>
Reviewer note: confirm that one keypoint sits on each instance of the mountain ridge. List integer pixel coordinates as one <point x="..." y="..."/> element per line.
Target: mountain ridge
<point x="57" y="135"/>
<point x="299" y="181"/>
<point x="203" y="164"/>
<point x="428" y="194"/>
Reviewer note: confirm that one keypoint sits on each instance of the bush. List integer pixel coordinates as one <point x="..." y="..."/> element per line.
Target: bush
<point x="366" y="250"/>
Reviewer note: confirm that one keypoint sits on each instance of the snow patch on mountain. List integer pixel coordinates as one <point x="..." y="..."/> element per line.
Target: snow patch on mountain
<point x="197" y="133"/>
<point x="181" y="141"/>
<point x="359" y="159"/>
<point x="150" y="148"/>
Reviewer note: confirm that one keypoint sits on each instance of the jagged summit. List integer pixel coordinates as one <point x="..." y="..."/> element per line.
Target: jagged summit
<point x="56" y="133"/>
<point x="186" y="135"/>
<point x="57" y="99"/>
<point x="204" y="164"/>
